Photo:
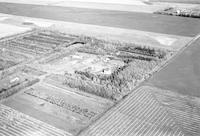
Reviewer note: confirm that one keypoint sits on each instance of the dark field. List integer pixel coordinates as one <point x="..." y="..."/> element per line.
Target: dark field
<point x="128" y="20"/>
<point x="183" y="74"/>
<point x="179" y="1"/>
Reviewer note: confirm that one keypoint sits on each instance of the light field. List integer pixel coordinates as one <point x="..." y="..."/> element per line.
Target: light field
<point x="8" y="30"/>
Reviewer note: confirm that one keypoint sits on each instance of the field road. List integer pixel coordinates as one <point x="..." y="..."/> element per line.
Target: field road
<point x="129" y="20"/>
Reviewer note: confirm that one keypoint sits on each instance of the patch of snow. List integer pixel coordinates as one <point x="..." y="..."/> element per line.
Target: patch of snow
<point x="39" y="23"/>
<point x="16" y="79"/>
<point x="3" y="18"/>
<point x="165" y="40"/>
<point x="7" y="30"/>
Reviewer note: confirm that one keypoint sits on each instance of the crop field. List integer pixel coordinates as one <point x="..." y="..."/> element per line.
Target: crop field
<point x="149" y="111"/>
<point x="184" y="109"/>
<point x="72" y="112"/>
<point x="9" y="59"/>
<point x="14" y="123"/>
<point x="93" y="69"/>
<point x="37" y="42"/>
<point x="139" y="114"/>
<point x="69" y="81"/>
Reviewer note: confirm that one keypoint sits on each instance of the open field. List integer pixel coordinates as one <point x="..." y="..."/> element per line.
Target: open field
<point x="16" y="123"/>
<point x="185" y="65"/>
<point x="85" y="70"/>
<point x="184" y="109"/>
<point x="151" y="39"/>
<point x="60" y="108"/>
<point x="173" y="42"/>
<point x="129" y="20"/>
<point x="8" y="30"/>
<point x="138" y="114"/>
<point x="36" y="42"/>
<point x="144" y="6"/>
<point x="150" y="111"/>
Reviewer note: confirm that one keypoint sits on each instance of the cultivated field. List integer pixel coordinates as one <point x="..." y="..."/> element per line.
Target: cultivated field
<point x="60" y="108"/>
<point x="149" y="111"/>
<point x="69" y="81"/>
<point x="139" y="114"/>
<point x="14" y="123"/>
<point x="184" y="109"/>
<point x="97" y="72"/>
<point x="37" y="42"/>
<point x="9" y="59"/>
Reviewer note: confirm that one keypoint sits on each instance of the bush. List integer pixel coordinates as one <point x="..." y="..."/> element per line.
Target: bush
<point x="195" y="13"/>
